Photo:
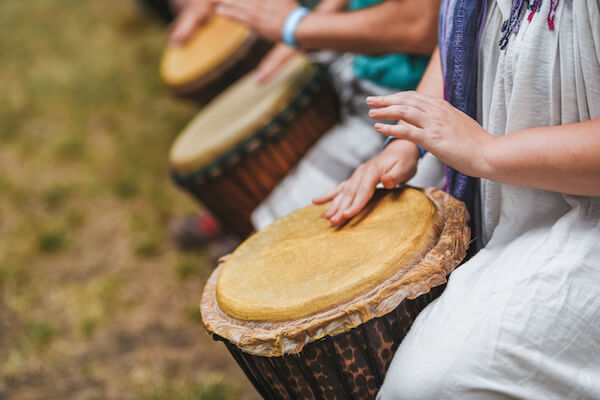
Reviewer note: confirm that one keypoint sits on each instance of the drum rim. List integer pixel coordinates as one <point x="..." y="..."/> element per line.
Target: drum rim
<point x="290" y="337"/>
<point x="202" y="80"/>
<point x="272" y="131"/>
<point x="199" y="80"/>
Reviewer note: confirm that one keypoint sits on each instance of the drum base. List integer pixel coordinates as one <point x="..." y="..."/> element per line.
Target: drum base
<point x="347" y="366"/>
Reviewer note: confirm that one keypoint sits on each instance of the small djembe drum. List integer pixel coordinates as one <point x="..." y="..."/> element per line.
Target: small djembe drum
<point x="236" y="150"/>
<point x="311" y="311"/>
<point x="220" y="53"/>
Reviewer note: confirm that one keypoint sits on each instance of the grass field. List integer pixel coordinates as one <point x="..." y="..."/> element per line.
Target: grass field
<point x="94" y="301"/>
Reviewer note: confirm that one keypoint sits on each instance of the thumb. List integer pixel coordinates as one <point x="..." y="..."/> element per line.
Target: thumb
<point x="184" y="27"/>
<point x="265" y="70"/>
<point x="273" y="62"/>
<point x="394" y="176"/>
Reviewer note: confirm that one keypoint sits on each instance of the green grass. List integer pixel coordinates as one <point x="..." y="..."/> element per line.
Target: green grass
<point x="40" y="333"/>
<point x="52" y="241"/>
<point x="85" y="198"/>
<point x="193" y="314"/>
<point x="214" y="388"/>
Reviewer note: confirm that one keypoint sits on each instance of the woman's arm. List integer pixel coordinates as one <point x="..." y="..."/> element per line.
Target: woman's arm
<point x="432" y="82"/>
<point x="563" y="158"/>
<point x="328" y="6"/>
<point x="393" y="26"/>
<point x="408" y="26"/>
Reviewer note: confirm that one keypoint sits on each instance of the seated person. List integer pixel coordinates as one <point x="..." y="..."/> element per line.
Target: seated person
<point x="390" y="42"/>
<point x="520" y="133"/>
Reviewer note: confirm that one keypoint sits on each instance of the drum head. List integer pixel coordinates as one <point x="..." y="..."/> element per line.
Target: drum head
<point x="301" y="279"/>
<point x="301" y="265"/>
<point x="211" y="47"/>
<point x="235" y="115"/>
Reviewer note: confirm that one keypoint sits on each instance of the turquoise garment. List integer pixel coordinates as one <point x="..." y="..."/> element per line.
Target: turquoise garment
<point x="398" y="71"/>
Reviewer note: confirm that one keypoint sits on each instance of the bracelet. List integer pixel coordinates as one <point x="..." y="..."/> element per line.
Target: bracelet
<point x="288" y="32"/>
<point x="422" y="151"/>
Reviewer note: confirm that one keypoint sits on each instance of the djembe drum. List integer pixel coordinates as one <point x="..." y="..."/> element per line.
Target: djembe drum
<point x="311" y="311"/>
<point x="220" y="53"/>
<point x="246" y="140"/>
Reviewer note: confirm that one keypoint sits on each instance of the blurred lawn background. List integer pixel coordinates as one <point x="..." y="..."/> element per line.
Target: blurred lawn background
<point x="94" y="301"/>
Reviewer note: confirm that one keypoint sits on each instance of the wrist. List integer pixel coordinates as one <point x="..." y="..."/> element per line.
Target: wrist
<point x="404" y="149"/>
<point x="485" y="166"/>
<point x="290" y="25"/>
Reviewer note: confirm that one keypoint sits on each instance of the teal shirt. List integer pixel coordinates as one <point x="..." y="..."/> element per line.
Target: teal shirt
<point x="397" y="71"/>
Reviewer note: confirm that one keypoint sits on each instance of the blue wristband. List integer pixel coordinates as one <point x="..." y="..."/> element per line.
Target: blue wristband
<point x="288" y="32"/>
<point x="390" y="138"/>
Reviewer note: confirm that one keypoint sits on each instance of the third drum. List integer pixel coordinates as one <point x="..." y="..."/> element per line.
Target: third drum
<point x="219" y="53"/>
<point x="236" y="150"/>
<point x="312" y="311"/>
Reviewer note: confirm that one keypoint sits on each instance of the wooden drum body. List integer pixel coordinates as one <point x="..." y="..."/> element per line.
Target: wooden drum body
<point x="220" y="53"/>
<point x="351" y="365"/>
<point x="310" y="311"/>
<point x="240" y="146"/>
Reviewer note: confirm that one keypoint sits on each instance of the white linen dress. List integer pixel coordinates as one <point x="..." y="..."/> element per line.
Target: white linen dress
<point x="521" y="319"/>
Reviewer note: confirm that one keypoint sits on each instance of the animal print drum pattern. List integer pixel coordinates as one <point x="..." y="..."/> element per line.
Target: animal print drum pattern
<point x="351" y="365"/>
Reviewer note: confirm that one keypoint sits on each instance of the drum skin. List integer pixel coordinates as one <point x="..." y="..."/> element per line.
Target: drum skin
<point x="219" y="53"/>
<point x="351" y="365"/>
<point x="237" y="190"/>
<point x="203" y="91"/>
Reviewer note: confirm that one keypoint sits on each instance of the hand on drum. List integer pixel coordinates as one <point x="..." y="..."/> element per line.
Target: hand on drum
<point x="273" y="61"/>
<point x="396" y="164"/>
<point x="449" y="134"/>
<point x="265" y="17"/>
<point x="190" y="18"/>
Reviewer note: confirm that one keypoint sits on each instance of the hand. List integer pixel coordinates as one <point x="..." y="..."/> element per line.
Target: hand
<point x="276" y="58"/>
<point x="449" y="134"/>
<point x="265" y="17"/>
<point x="190" y="18"/>
<point x="396" y="164"/>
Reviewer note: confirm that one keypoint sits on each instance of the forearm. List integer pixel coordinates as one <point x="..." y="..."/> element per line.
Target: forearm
<point x="394" y="26"/>
<point x="563" y="158"/>
<point x="329" y="6"/>
<point x="432" y="82"/>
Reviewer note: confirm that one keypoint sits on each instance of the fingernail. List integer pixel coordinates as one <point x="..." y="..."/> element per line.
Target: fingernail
<point x="379" y="126"/>
<point x="371" y="113"/>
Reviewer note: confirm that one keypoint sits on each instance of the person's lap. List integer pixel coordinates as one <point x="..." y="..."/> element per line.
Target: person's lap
<point x="519" y="320"/>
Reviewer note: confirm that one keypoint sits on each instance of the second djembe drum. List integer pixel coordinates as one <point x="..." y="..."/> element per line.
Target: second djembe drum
<point x="311" y="311"/>
<point x="240" y="146"/>
<point x="218" y="54"/>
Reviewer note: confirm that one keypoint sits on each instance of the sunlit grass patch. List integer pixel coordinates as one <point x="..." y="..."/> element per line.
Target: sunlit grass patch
<point x="12" y="274"/>
<point x="89" y="324"/>
<point x="193" y="314"/>
<point x="85" y="198"/>
<point x="187" y="266"/>
<point x="70" y="149"/>
<point x="40" y="333"/>
<point x="126" y="188"/>
<point x="214" y="387"/>
<point x="148" y="245"/>
<point x="74" y="218"/>
<point x="147" y="235"/>
<point x="51" y="240"/>
<point x="55" y="196"/>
